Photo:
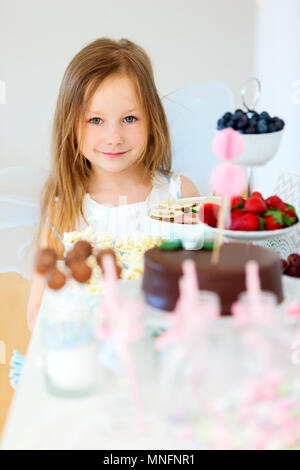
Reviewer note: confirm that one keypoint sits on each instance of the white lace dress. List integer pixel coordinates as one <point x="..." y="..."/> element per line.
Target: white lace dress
<point x="126" y="219"/>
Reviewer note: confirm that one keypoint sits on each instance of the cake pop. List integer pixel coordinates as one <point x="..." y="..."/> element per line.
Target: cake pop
<point x="83" y="248"/>
<point x="45" y="260"/>
<point x="81" y="272"/>
<point x="55" y="279"/>
<point x="80" y="252"/>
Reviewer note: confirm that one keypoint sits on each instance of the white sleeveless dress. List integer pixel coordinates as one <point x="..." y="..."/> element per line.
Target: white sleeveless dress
<point x="126" y="219"/>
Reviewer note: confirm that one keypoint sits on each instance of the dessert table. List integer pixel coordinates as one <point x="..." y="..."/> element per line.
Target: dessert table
<point x="104" y="420"/>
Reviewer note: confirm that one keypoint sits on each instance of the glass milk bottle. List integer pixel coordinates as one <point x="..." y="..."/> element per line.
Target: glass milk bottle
<point x="185" y="360"/>
<point x="70" y="349"/>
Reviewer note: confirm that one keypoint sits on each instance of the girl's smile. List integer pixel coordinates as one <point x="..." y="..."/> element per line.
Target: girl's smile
<point x="112" y="155"/>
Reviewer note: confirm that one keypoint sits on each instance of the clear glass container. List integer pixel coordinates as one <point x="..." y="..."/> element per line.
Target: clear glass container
<point x="185" y="364"/>
<point x="70" y="349"/>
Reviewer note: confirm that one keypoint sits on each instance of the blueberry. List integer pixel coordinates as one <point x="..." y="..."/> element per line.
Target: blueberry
<point x="251" y="128"/>
<point x="238" y="113"/>
<point x="227" y="116"/>
<point x="262" y="126"/>
<point x="242" y="122"/>
<point x="220" y="124"/>
<point x="266" y="116"/>
<point x="272" y="127"/>
<point x="279" y="124"/>
<point x="229" y="123"/>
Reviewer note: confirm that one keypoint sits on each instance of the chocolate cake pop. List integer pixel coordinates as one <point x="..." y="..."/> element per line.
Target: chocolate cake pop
<point x="83" y="248"/>
<point x="79" y="252"/>
<point x="81" y="272"/>
<point x="45" y="260"/>
<point x="73" y="256"/>
<point x="55" y="279"/>
<point x="108" y="251"/>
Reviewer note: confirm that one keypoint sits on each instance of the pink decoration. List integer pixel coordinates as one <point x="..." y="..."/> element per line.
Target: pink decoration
<point x="123" y="316"/>
<point x="294" y="310"/>
<point x="228" y="144"/>
<point x="122" y="324"/>
<point x="255" y="311"/>
<point x="188" y="316"/>
<point x="252" y="279"/>
<point x="228" y="180"/>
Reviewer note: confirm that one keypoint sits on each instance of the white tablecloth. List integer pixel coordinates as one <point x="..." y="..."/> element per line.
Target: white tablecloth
<point x="105" y="420"/>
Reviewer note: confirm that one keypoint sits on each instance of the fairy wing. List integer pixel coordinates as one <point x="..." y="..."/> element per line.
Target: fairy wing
<point x="192" y="114"/>
<point x="20" y="190"/>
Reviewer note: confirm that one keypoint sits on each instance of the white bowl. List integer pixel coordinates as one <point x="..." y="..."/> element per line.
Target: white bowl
<point x="251" y="237"/>
<point x="259" y="148"/>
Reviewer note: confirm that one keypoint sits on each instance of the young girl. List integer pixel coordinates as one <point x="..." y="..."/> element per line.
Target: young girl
<point x="111" y="151"/>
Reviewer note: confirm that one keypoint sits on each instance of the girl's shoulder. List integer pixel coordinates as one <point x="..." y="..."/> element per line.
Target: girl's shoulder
<point x="185" y="186"/>
<point x="188" y="188"/>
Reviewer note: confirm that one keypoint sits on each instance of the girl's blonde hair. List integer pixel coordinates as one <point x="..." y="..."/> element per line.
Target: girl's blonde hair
<point x="62" y="196"/>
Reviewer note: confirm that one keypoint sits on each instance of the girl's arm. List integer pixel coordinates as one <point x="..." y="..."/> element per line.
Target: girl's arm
<point x="35" y="298"/>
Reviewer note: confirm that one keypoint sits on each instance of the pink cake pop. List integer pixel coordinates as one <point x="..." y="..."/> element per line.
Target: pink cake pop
<point x="228" y="144"/>
<point x="227" y="180"/>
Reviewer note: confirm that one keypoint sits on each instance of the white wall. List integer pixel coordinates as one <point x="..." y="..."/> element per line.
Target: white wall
<point x="187" y="41"/>
<point x="277" y="51"/>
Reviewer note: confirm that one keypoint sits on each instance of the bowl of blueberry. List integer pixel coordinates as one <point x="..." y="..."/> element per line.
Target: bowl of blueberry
<point x="261" y="133"/>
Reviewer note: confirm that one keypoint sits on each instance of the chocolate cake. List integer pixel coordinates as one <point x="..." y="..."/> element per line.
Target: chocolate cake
<point x="162" y="271"/>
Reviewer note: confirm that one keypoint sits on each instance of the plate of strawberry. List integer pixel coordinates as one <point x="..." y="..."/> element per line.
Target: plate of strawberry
<point x="254" y="218"/>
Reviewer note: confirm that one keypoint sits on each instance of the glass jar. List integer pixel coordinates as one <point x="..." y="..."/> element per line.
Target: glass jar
<point x="70" y="349"/>
<point x="185" y="362"/>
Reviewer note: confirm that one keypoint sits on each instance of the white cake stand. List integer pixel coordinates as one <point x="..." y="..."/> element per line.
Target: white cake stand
<point x="259" y="149"/>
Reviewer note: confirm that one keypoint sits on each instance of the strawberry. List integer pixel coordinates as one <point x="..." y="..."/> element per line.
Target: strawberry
<point x="262" y="223"/>
<point x="274" y="202"/>
<point x="273" y="219"/>
<point x="237" y="213"/>
<point x="247" y="222"/>
<point x="257" y="194"/>
<point x="294" y="258"/>
<point x="292" y="270"/>
<point x="284" y="265"/>
<point x="256" y="205"/>
<point x="209" y="214"/>
<point x="237" y="202"/>
<point x="289" y="217"/>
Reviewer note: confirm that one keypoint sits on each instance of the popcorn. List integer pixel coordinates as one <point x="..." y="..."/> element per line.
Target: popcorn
<point x="129" y="253"/>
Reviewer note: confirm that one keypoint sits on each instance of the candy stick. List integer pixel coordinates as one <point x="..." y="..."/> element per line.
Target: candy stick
<point x="123" y="326"/>
<point x="133" y="381"/>
<point x="187" y="319"/>
<point x="221" y="223"/>
<point x="253" y="289"/>
<point x="227" y="180"/>
<point x="112" y="294"/>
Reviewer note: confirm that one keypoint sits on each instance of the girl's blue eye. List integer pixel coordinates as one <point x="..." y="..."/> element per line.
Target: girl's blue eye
<point x="131" y="119"/>
<point x="97" y="119"/>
